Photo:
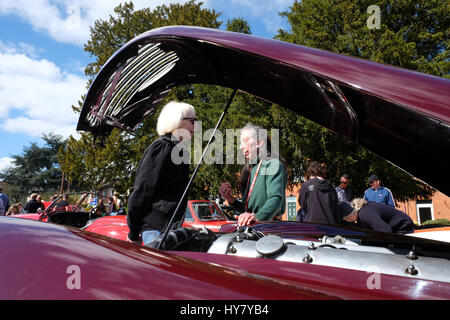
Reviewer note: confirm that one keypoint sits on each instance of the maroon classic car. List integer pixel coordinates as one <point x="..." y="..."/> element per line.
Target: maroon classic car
<point x="395" y="113"/>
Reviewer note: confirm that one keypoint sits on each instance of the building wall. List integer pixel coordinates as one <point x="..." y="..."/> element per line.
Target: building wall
<point x="440" y="203"/>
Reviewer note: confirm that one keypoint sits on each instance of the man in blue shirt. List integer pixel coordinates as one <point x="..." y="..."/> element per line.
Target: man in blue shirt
<point x="4" y="202"/>
<point x="378" y="194"/>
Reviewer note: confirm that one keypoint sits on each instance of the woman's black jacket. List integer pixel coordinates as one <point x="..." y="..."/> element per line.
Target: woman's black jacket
<point x="158" y="186"/>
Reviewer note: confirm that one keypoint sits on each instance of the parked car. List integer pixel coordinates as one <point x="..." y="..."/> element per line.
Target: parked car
<point x="199" y="214"/>
<point x="394" y="112"/>
<point x="203" y="213"/>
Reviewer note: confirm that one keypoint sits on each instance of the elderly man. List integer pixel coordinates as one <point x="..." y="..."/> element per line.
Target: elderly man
<point x="377" y="193"/>
<point x="263" y="180"/>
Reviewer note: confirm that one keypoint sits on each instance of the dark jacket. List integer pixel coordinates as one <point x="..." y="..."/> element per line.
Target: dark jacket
<point x="381" y="217"/>
<point x="158" y="186"/>
<point x="31" y="206"/>
<point x="319" y="199"/>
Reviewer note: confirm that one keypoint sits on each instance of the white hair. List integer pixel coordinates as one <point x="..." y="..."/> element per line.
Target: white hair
<point x="358" y="203"/>
<point x="171" y="116"/>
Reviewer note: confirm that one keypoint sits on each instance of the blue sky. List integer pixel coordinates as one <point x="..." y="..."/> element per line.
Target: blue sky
<point x="42" y="59"/>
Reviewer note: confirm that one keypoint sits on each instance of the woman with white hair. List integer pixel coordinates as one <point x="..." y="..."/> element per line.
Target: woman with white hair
<point x="160" y="181"/>
<point x="376" y="216"/>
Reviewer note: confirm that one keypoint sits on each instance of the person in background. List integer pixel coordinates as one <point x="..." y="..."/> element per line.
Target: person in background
<point x="376" y="216"/>
<point x="317" y="197"/>
<point x="41" y="206"/>
<point x="63" y="204"/>
<point x="20" y="205"/>
<point x="32" y="205"/>
<point x="111" y="206"/>
<point x="263" y="180"/>
<point x="160" y="178"/>
<point x="344" y="193"/>
<point x="377" y="193"/>
<point x="121" y="209"/>
<point x="4" y="202"/>
<point x="14" y="209"/>
<point x="100" y="208"/>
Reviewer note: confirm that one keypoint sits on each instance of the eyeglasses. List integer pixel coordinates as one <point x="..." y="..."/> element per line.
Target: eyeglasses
<point x="343" y="182"/>
<point x="192" y="120"/>
<point x="371" y="182"/>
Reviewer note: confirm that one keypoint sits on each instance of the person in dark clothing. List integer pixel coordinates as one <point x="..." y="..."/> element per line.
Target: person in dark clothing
<point x="32" y="205"/>
<point x="41" y="206"/>
<point x="160" y="178"/>
<point x="121" y="211"/>
<point x="62" y="205"/>
<point x="317" y="196"/>
<point x="378" y="217"/>
<point x="100" y="208"/>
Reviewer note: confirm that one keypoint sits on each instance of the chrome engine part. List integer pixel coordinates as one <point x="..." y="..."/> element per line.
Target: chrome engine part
<point x="335" y="252"/>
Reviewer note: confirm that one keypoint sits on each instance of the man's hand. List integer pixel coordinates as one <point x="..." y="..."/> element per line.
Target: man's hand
<point x="246" y="219"/>
<point x="138" y="242"/>
<point x="225" y="192"/>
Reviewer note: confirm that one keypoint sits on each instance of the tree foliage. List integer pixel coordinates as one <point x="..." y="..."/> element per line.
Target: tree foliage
<point x="90" y="168"/>
<point x="36" y="170"/>
<point x="412" y="34"/>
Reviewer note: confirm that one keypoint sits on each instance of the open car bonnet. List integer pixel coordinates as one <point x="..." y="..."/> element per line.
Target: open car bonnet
<point x="403" y="116"/>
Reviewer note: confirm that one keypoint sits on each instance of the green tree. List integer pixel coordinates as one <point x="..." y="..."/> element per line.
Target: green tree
<point x="412" y="34"/>
<point x="238" y="25"/>
<point x="36" y="170"/>
<point x="108" y="36"/>
<point x="89" y="168"/>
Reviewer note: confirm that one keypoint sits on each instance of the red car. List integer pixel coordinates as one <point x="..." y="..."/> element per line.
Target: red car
<point x="202" y="213"/>
<point x="395" y="113"/>
<point x="199" y="214"/>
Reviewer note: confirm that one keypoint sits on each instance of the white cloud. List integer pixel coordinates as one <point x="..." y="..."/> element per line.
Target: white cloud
<point x="5" y="163"/>
<point x="40" y="92"/>
<point x="67" y="21"/>
<point x="256" y="12"/>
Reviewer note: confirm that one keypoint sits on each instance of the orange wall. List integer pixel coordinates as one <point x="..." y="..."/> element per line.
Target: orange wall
<point x="441" y="207"/>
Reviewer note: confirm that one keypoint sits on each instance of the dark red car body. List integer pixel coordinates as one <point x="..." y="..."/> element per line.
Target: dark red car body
<point x="377" y="106"/>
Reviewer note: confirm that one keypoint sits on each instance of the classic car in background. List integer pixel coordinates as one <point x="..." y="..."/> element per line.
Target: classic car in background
<point x="395" y="113"/>
<point x="199" y="214"/>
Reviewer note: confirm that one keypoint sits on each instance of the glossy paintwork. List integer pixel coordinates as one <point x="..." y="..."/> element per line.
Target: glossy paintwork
<point x="38" y="267"/>
<point x="427" y="94"/>
<point x="339" y="282"/>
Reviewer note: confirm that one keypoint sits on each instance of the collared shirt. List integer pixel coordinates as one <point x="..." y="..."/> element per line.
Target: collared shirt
<point x="380" y="195"/>
<point x="344" y="195"/>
